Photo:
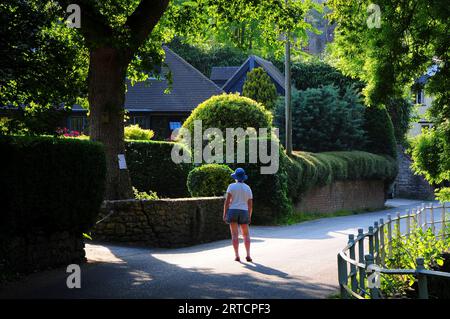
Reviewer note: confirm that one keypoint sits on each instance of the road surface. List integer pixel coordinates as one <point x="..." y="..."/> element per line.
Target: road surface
<point x="297" y="261"/>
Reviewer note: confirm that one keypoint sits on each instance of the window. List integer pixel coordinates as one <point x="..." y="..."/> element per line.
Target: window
<point x="78" y="123"/>
<point x="419" y="97"/>
<point x="140" y="120"/>
<point x="174" y="125"/>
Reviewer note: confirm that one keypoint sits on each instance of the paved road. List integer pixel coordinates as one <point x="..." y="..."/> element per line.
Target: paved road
<point x="296" y="261"/>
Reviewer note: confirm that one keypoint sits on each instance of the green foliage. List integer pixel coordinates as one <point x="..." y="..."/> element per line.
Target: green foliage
<point x="325" y="121"/>
<point x="400" y="111"/>
<point x="405" y="250"/>
<point x="411" y="36"/>
<point x="380" y="131"/>
<point x="33" y="120"/>
<point x="259" y="87"/>
<point x="49" y="184"/>
<point x="209" y="180"/>
<point x="43" y="62"/>
<point x="144" y="195"/>
<point x="204" y="58"/>
<point x="134" y="132"/>
<point x="430" y="154"/>
<point x="152" y="169"/>
<point x="229" y="111"/>
<point x="317" y="74"/>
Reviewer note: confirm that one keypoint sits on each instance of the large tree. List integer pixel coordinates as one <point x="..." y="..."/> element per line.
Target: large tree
<point x="123" y="37"/>
<point x="412" y="36"/>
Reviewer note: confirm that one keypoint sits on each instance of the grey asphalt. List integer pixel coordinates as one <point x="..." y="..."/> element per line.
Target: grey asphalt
<point x="297" y="261"/>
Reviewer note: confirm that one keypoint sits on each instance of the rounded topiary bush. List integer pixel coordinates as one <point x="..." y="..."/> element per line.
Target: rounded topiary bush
<point x="209" y="180"/>
<point x="380" y="131"/>
<point x="229" y="111"/>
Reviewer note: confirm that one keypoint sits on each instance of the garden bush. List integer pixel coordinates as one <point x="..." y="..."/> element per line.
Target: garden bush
<point x="134" y="132"/>
<point x="229" y="111"/>
<point x="49" y="184"/>
<point x="209" y="180"/>
<point x="259" y="87"/>
<point x="325" y="121"/>
<point x="380" y="131"/>
<point x="152" y="169"/>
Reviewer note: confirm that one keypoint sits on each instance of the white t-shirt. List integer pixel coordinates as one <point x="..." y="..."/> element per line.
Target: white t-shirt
<point x="240" y="193"/>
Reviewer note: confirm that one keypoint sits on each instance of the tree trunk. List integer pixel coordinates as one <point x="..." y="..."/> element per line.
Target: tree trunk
<point x="106" y="81"/>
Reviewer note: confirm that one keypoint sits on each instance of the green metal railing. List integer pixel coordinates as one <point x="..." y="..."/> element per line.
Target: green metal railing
<point x="372" y="247"/>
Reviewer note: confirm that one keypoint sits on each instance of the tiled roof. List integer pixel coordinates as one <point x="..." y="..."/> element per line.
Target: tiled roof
<point x="189" y="88"/>
<point x="223" y="72"/>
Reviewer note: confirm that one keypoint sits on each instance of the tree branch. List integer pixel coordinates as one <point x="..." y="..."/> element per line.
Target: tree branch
<point x="144" y="18"/>
<point x="94" y="26"/>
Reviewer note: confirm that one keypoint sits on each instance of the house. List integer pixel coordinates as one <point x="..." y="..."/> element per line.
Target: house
<point x="148" y="105"/>
<point x="423" y="101"/>
<point x="231" y="79"/>
<point x="407" y="184"/>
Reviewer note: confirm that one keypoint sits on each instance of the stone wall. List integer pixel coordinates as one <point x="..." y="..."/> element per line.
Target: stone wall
<point x="343" y="195"/>
<point x="162" y="223"/>
<point x="39" y="251"/>
<point x="408" y="185"/>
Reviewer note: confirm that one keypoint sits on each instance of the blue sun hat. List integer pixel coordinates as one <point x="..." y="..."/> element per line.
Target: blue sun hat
<point x="239" y="175"/>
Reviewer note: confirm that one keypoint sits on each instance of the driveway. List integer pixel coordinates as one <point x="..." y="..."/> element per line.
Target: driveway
<point x="297" y="261"/>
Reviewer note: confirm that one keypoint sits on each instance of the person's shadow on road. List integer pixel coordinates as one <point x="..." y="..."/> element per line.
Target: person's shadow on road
<point x="265" y="270"/>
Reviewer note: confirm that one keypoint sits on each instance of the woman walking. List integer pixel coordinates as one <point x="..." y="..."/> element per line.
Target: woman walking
<point x="237" y="211"/>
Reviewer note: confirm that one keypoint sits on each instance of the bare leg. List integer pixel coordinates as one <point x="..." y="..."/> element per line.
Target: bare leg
<point x="235" y="237"/>
<point x="246" y="235"/>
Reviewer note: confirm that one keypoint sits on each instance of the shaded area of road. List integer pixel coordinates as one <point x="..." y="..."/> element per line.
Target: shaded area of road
<point x="297" y="261"/>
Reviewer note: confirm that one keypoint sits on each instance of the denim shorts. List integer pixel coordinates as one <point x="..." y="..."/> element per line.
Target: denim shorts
<point x="239" y="216"/>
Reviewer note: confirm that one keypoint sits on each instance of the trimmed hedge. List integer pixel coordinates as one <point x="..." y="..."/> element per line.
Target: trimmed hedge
<point x="152" y="169"/>
<point x="49" y="184"/>
<point x="209" y="180"/>
<point x="229" y="111"/>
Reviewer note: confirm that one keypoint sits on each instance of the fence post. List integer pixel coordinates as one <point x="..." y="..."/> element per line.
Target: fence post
<point x="419" y="215"/>
<point x="425" y="222"/>
<point x="354" y="282"/>
<point x="370" y="234"/>
<point x="362" y="271"/>
<point x="397" y="222"/>
<point x="374" y="292"/>
<point x="342" y="276"/>
<point x="389" y="235"/>
<point x="377" y="242"/>
<point x="383" y="252"/>
<point x="443" y="220"/>
<point x="421" y="279"/>
<point x="408" y="221"/>
<point x="414" y="218"/>
<point x="433" y="229"/>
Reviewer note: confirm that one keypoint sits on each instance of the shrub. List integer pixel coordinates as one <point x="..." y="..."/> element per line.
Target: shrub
<point x="380" y="131"/>
<point x="259" y="87"/>
<point x="324" y="121"/>
<point x="49" y="184"/>
<point x="430" y="154"/>
<point x="134" y="132"/>
<point x="144" y="195"/>
<point x="317" y="74"/>
<point x="152" y="169"/>
<point x="229" y="111"/>
<point x="209" y="180"/>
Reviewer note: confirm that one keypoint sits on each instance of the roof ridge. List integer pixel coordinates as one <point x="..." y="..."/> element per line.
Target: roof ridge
<point x="192" y="67"/>
<point x="238" y="70"/>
